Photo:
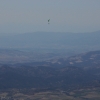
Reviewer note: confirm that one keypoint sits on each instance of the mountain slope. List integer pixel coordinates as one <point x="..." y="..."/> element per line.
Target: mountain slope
<point x="88" y="59"/>
<point x="78" y="71"/>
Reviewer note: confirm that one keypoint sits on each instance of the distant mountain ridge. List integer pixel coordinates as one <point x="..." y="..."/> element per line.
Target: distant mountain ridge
<point x="53" y="40"/>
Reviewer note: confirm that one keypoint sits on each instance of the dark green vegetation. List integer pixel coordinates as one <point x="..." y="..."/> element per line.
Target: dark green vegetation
<point x="73" y="78"/>
<point x="47" y="77"/>
<point x="60" y="74"/>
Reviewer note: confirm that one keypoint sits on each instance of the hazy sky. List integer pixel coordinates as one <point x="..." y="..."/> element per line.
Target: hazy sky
<point x="22" y="16"/>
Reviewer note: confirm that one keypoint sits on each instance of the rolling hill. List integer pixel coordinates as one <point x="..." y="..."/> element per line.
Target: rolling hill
<point x="80" y="71"/>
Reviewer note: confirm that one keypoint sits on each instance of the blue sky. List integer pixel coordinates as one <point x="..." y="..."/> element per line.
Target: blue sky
<point x="22" y="16"/>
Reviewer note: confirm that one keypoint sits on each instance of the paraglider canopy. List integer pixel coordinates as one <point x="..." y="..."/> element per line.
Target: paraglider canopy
<point x="48" y="21"/>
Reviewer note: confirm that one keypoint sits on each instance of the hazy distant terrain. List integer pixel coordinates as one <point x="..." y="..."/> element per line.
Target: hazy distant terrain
<point x="13" y="56"/>
<point x="53" y="41"/>
<point x="45" y="66"/>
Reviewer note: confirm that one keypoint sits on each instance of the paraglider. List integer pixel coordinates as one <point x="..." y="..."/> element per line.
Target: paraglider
<point x="48" y="21"/>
